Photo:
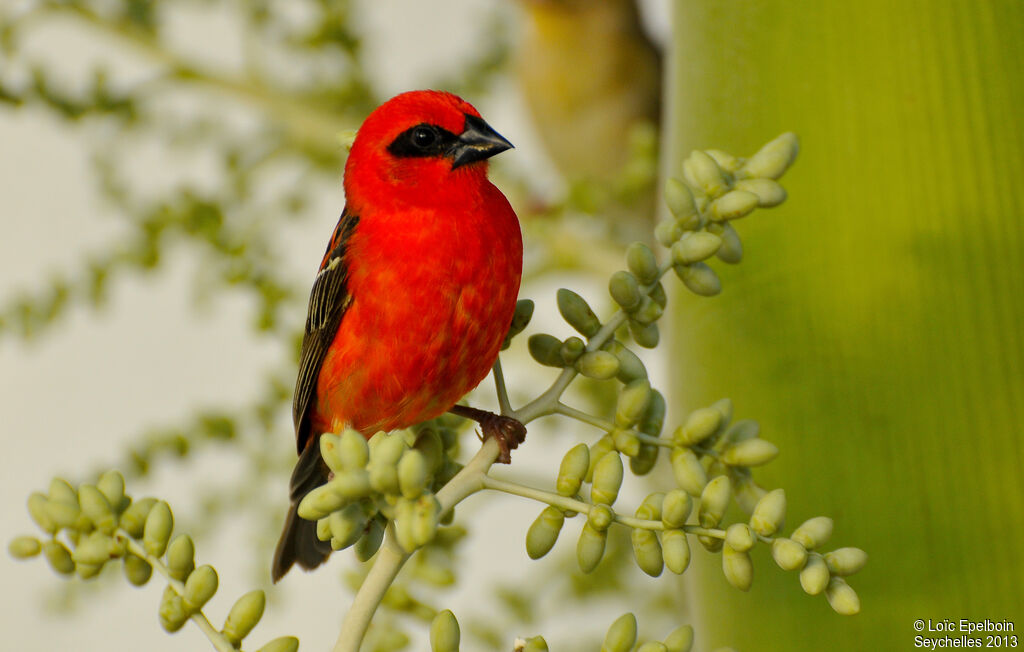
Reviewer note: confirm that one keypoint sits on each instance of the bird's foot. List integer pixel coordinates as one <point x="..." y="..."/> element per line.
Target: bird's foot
<point x="508" y="432"/>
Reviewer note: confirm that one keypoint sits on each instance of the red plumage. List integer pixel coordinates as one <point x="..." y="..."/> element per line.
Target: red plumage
<point x="415" y="293"/>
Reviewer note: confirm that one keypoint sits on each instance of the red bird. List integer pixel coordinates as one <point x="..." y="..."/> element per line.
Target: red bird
<point x="415" y="293"/>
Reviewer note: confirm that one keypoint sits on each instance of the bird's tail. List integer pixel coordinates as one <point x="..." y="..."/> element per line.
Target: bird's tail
<point x="298" y="542"/>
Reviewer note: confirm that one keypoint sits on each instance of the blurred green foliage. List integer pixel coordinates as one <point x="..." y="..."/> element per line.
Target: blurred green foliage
<point x="880" y="339"/>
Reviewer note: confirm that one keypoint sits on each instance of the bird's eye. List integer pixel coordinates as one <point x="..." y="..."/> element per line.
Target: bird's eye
<point x="423" y="137"/>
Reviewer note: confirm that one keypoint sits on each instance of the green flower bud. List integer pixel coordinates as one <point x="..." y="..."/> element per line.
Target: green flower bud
<point x="352" y="450"/>
<point x="281" y="644"/>
<point x="577" y="313"/>
<point x="412" y="474"/>
<point x="545" y="349"/>
<point x="346" y="525"/>
<point x="695" y="246"/>
<point x="621" y="636"/>
<point x="740" y="537"/>
<point x="680" y="640"/>
<point x="676" y="508"/>
<point x="62" y="492"/>
<point x="24" y="547"/>
<point x="389" y="449"/>
<point x="845" y="561"/>
<point x="384" y="478"/>
<point x="369" y="543"/>
<point x="244" y="615"/>
<point x="626" y="442"/>
<point x="770" y="513"/>
<point x="688" y="472"/>
<point x="647" y="551"/>
<point x="133" y="521"/>
<point x="111" y="485"/>
<point x="520" y="320"/>
<point x="814" y="532"/>
<point x="598" y="364"/>
<point x="320" y="502"/>
<point x="713" y="501"/>
<point x="650" y="508"/>
<point x="769" y="193"/>
<point x="733" y="205"/>
<point x="93" y="549"/>
<point x="405" y="515"/>
<point x="63" y="514"/>
<point x="648" y="312"/>
<point x="772" y="160"/>
<point x="841" y="597"/>
<point x="181" y="557"/>
<point x="58" y="557"/>
<point x="96" y="508"/>
<point x="329" y="451"/>
<point x="323" y="529"/>
<point x="748" y="494"/>
<point x="652" y="646"/>
<point x="137" y="570"/>
<point x="200" y="587"/>
<point x="645" y="336"/>
<point x="601" y="517"/>
<point x="699" y="279"/>
<point x="641" y="261"/>
<point x="630" y="366"/>
<point x="88" y="571"/>
<point x="701" y="171"/>
<point x="37" y="509"/>
<point x="725" y="160"/>
<point x="668" y="231"/>
<point x="572" y="470"/>
<point x="428" y="442"/>
<point x="426" y="513"/>
<point x="157" y="531"/>
<point x="742" y="430"/>
<point x="788" y="554"/>
<point x="676" y="550"/>
<point x="679" y="198"/>
<point x="543" y="534"/>
<point x="658" y="295"/>
<point x="535" y="644"/>
<point x="590" y="547"/>
<point x="752" y="452"/>
<point x="653" y="418"/>
<point x="731" y="250"/>
<point x="738" y="569"/>
<point x="700" y="424"/>
<point x="607" y="479"/>
<point x="644" y="460"/>
<point x="572" y="349"/>
<point x="815" y="576"/>
<point x="603" y="445"/>
<point x="625" y="290"/>
<point x="444" y="632"/>
<point x="173" y="612"/>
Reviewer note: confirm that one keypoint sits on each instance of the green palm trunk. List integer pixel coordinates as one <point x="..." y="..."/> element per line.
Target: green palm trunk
<point x="876" y="327"/>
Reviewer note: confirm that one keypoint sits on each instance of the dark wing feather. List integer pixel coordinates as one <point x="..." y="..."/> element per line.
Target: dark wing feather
<point x="327" y="303"/>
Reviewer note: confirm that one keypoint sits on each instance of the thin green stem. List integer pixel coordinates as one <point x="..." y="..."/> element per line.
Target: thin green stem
<point x="585" y="417"/>
<point x="391" y="557"/>
<point x="499" y="385"/>
<point x="219" y="641"/>
<point x="574" y="505"/>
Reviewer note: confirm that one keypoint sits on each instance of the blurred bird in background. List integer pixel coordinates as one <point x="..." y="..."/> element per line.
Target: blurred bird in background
<point x="591" y="78"/>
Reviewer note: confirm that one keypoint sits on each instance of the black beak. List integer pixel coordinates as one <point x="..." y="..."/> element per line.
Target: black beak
<point x="477" y="142"/>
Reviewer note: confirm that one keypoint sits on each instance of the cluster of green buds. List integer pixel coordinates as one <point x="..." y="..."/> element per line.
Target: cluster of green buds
<point x="96" y="525"/>
<point x="716" y="189"/>
<point x="711" y="460"/>
<point x="390" y="478"/>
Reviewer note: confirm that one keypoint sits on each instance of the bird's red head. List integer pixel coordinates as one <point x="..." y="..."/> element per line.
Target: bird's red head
<point x="420" y="146"/>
